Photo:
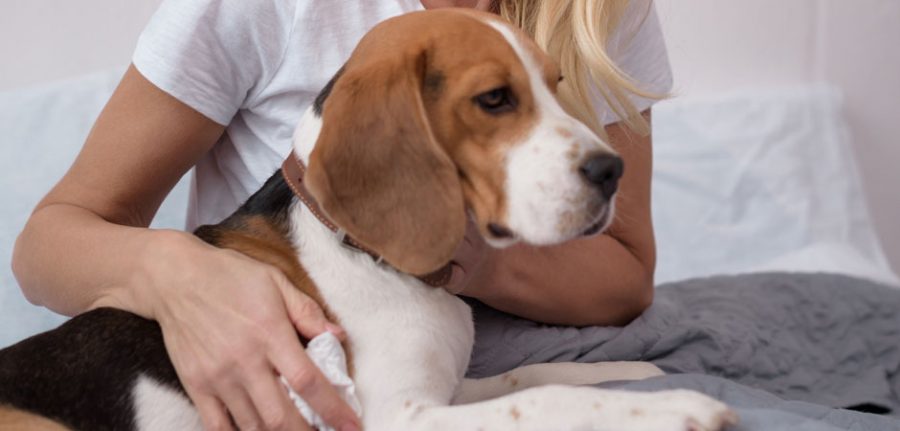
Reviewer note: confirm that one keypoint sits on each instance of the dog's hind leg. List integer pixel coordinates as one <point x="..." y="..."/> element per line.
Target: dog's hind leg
<point x="562" y="373"/>
<point x="17" y="420"/>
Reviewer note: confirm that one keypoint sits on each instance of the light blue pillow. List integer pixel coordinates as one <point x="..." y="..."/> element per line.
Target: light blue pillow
<point x="42" y="130"/>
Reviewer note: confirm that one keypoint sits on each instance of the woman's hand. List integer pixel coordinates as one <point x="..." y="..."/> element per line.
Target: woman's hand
<point x="470" y="257"/>
<point x="230" y="326"/>
<point x="229" y="322"/>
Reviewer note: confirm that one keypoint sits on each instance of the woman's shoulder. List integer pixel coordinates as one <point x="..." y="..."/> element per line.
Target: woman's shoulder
<point x="637" y="46"/>
<point x="209" y="54"/>
<point x="215" y="55"/>
<point x="638" y="49"/>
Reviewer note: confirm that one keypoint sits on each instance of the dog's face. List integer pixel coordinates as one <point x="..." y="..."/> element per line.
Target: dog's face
<point x="441" y="112"/>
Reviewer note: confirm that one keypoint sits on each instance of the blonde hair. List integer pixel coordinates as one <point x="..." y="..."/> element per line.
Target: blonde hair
<point x="575" y="34"/>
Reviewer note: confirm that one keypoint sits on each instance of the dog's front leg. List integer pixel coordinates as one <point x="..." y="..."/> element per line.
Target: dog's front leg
<point x="560" y="373"/>
<point x="562" y="408"/>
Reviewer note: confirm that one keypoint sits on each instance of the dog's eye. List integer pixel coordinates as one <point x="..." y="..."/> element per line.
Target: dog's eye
<point x="496" y="101"/>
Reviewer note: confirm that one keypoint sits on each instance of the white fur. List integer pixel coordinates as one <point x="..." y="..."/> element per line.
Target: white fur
<point x="411" y="343"/>
<point x="158" y="408"/>
<point x="559" y="373"/>
<point x="395" y="325"/>
<point x="306" y="134"/>
<point x="549" y="200"/>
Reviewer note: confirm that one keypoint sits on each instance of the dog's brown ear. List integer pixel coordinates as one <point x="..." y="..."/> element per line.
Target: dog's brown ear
<point x="378" y="171"/>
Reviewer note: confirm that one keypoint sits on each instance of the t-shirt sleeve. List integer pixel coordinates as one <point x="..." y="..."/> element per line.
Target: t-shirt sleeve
<point x="638" y="49"/>
<point x="213" y="55"/>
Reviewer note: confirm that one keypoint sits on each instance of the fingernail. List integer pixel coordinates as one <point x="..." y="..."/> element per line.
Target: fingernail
<point x="334" y="329"/>
<point x="350" y="427"/>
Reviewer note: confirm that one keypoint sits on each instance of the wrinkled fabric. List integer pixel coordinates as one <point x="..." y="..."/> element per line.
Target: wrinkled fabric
<point x="758" y="410"/>
<point x="825" y="339"/>
<point x="760" y="180"/>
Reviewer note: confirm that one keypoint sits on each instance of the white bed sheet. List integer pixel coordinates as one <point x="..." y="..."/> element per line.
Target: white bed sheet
<point x="760" y="180"/>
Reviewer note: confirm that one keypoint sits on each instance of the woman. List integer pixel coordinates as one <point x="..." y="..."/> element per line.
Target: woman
<point x="219" y="85"/>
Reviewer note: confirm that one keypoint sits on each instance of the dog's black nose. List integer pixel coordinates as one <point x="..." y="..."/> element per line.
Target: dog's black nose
<point x="603" y="171"/>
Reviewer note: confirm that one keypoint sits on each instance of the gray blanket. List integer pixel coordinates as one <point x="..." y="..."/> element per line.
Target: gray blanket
<point x="789" y="351"/>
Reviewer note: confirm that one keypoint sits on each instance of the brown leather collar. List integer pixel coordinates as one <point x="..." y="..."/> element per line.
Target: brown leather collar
<point x="293" y="171"/>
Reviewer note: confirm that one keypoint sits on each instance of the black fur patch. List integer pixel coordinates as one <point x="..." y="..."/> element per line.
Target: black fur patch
<point x="273" y="201"/>
<point x="82" y="373"/>
<point x="319" y="103"/>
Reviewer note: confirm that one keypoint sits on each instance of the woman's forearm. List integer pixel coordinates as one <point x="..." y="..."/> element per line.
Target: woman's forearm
<point x="70" y="259"/>
<point x="591" y="281"/>
<point x="87" y="242"/>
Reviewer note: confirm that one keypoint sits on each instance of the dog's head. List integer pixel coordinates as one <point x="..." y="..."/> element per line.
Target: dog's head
<point x="442" y="111"/>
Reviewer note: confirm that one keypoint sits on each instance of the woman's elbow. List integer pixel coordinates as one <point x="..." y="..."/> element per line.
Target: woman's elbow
<point x="642" y="287"/>
<point x="626" y="305"/>
<point x="20" y="268"/>
<point x="643" y="298"/>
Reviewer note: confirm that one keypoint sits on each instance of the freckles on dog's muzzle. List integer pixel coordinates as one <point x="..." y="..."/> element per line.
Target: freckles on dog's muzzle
<point x="603" y="171"/>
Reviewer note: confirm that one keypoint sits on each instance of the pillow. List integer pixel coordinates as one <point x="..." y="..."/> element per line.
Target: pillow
<point x="760" y="180"/>
<point x="43" y="128"/>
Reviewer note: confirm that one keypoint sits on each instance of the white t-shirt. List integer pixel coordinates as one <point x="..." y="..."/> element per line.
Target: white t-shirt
<point x="255" y="66"/>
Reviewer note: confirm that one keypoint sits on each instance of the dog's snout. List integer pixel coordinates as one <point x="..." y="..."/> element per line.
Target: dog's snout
<point x="603" y="171"/>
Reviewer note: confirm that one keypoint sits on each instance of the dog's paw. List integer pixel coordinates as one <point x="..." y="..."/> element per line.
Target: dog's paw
<point x="683" y="410"/>
<point x="674" y="410"/>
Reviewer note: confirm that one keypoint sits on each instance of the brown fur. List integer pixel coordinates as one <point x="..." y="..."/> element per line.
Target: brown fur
<point x="18" y="420"/>
<point x="396" y="164"/>
<point x="262" y="239"/>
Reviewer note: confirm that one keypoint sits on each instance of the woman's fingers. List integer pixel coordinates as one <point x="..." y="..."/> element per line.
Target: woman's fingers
<point x="230" y="342"/>
<point x="241" y="407"/>
<point x="212" y="412"/>
<point x="306" y="380"/>
<point x="305" y="313"/>
<point x="467" y="259"/>
<point x="273" y="404"/>
<point x="458" y="279"/>
<point x="291" y="361"/>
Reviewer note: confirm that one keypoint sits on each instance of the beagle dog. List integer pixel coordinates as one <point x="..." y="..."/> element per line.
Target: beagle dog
<point x="436" y="115"/>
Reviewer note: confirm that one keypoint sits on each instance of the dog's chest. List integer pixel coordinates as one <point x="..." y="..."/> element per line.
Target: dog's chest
<point x="402" y="333"/>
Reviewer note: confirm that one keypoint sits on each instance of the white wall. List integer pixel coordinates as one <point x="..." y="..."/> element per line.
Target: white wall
<point x="43" y="40"/>
<point x="714" y="45"/>
<point x="717" y="45"/>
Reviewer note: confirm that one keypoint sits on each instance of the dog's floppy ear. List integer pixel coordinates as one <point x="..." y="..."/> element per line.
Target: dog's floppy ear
<point x="378" y="171"/>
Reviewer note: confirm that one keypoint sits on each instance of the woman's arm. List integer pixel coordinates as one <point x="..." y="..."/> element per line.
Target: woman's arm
<point x="601" y="280"/>
<point x="229" y="322"/>
<point x="91" y="224"/>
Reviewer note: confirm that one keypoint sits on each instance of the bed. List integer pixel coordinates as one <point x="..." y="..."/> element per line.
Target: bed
<point x="774" y="294"/>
